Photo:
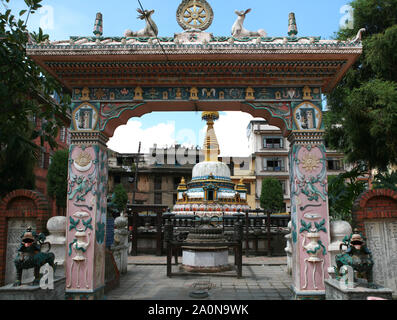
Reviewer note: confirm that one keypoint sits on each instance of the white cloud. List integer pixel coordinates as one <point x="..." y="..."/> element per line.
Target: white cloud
<point x="231" y="129"/>
<point x="126" y="137"/>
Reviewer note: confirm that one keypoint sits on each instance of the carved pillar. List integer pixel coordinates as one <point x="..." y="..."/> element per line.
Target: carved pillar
<point x="309" y="214"/>
<point x="86" y="215"/>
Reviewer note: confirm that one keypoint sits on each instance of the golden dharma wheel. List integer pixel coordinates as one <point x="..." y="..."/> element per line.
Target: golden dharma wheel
<point x="194" y="14"/>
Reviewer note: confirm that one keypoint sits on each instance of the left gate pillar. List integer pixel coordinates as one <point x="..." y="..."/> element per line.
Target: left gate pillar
<point x="86" y="211"/>
<point x="309" y="214"/>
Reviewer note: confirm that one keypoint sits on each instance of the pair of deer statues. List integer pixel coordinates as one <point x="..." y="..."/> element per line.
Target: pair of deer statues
<point x="151" y="29"/>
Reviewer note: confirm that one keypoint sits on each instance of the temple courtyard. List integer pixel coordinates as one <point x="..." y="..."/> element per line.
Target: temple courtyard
<point x="264" y="278"/>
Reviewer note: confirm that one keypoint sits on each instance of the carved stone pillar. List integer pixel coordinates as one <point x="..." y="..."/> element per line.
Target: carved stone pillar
<point x="309" y="214"/>
<point x="86" y="215"/>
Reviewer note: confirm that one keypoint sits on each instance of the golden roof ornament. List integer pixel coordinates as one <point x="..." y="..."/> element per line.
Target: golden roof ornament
<point x="211" y="145"/>
<point x="182" y="185"/>
<point x="194" y="15"/>
<point x="240" y="185"/>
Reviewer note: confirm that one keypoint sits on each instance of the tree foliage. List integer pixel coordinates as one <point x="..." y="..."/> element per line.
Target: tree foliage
<point x="26" y="94"/>
<point x="362" y="116"/>
<point x="343" y="190"/>
<point x="385" y="180"/>
<point x="271" y="198"/>
<point x="57" y="177"/>
<point x="120" y="198"/>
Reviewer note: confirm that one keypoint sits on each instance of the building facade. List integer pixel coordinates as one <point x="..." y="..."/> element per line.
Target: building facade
<point x="270" y="157"/>
<point x="159" y="173"/>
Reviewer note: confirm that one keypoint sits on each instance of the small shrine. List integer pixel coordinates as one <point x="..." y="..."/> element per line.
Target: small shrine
<point x="211" y="190"/>
<point x="208" y="196"/>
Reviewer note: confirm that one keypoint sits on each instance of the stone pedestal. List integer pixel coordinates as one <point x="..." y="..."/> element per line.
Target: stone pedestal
<point x="120" y="244"/>
<point x="338" y="230"/>
<point x="334" y="291"/>
<point x="205" y="250"/>
<point x="288" y="250"/>
<point x="196" y="259"/>
<point x="27" y="292"/>
<point x="57" y="238"/>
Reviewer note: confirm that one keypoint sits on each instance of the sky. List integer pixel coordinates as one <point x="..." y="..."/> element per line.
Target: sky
<point x="64" y="18"/>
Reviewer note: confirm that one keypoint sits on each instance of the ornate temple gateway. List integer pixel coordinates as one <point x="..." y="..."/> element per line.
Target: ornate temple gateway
<point x="280" y="79"/>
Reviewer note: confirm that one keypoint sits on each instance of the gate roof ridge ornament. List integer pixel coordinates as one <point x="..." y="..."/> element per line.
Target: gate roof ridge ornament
<point x="194" y="15"/>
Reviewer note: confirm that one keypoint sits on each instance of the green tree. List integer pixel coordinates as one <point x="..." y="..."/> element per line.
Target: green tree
<point x="57" y="177"/>
<point x="385" y="180"/>
<point x="362" y="116"/>
<point x="26" y="93"/>
<point x="343" y="190"/>
<point x="271" y="199"/>
<point x="120" y="198"/>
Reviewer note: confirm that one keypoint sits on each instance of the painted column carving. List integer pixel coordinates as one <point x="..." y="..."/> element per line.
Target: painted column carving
<point x="309" y="213"/>
<point x="86" y="206"/>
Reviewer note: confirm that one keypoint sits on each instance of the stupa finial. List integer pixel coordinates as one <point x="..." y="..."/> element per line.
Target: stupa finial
<point x="211" y="145"/>
<point x="292" y="27"/>
<point x="98" y="26"/>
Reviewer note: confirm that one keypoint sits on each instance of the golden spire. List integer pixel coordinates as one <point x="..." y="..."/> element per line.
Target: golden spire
<point x="211" y="145"/>
<point x="182" y="186"/>
<point x="240" y="186"/>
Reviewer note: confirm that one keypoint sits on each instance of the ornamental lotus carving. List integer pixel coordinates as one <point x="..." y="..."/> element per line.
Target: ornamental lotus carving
<point x="310" y="162"/>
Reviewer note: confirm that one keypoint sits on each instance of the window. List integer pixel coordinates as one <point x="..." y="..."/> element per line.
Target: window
<point x="334" y="164"/>
<point x="158" y="199"/>
<point x="284" y="186"/>
<point x="68" y="137"/>
<point x="63" y="134"/>
<point x="117" y="178"/>
<point x="157" y="183"/>
<point x="272" y="143"/>
<point x="44" y="160"/>
<point x="273" y="164"/>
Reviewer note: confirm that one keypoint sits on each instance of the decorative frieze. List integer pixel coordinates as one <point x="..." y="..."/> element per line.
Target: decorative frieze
<point x="152" y="93"/>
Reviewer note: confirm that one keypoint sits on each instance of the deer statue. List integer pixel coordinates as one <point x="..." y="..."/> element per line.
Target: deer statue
<point x="150" y="29"/>
<point x="238" y="29"/>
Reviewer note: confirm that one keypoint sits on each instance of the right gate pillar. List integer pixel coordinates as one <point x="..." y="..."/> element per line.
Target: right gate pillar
<point x="309" y="214"/>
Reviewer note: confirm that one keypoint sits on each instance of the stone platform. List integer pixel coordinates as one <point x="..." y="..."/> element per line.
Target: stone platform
<point x="333" y="291"/>
<point x="28" y="292"/>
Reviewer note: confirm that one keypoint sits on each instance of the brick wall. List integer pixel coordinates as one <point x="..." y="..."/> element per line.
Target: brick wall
<point x="21" y="204"/>
<point x="374" y="204"/>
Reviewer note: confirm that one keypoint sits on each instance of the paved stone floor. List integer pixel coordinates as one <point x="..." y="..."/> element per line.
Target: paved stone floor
<point x="263" y="279"/>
